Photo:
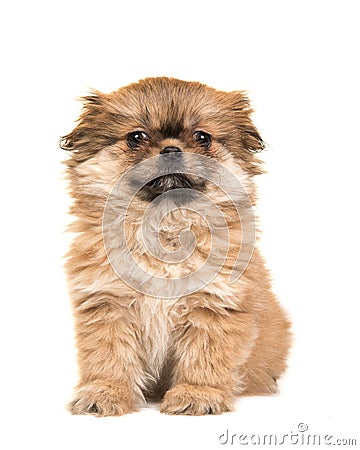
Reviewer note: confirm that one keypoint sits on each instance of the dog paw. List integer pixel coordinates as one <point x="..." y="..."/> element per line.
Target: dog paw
<point x="102" y="399"/>
<point x="195" y="400"/>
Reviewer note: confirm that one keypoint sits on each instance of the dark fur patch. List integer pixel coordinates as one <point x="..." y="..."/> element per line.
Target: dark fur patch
<point x="172" y="127"/>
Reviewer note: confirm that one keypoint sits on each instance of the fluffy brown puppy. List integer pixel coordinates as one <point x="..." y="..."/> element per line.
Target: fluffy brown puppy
<point x="170" y="296"/>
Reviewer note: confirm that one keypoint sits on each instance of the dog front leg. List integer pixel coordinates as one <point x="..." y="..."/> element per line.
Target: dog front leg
<point x="109" y="359"/>
<point x="208" y="348"/>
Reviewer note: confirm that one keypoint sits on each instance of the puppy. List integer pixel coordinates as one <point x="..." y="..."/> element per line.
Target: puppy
<point x="171" y="298"/>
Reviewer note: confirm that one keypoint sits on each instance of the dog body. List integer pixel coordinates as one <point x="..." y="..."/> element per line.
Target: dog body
<point x="158" y="309"/>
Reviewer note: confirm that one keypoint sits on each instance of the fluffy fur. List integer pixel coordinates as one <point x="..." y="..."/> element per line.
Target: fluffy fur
<point x="196" y="352"/>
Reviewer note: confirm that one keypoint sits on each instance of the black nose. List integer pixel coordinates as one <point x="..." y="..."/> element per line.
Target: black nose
<point x="170" y="150"/>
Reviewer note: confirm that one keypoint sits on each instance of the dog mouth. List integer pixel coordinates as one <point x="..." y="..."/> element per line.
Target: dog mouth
<point x="178" y="186"/>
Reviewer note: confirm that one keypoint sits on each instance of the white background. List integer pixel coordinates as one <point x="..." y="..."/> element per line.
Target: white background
<point x="299" y="62"/>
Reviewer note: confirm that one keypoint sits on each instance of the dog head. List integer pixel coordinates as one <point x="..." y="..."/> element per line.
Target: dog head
<point x="165" y="120"/>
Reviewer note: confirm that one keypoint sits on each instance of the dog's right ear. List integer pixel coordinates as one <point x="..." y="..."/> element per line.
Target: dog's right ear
<point x="92" y="132"/>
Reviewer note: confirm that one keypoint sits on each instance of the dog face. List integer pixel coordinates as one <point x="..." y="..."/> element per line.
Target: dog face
<point x="167" y="120"/>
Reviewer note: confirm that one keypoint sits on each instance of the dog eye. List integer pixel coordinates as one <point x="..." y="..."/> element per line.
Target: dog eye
<point x="202" y="138"/>
<point x="135" y="138"/>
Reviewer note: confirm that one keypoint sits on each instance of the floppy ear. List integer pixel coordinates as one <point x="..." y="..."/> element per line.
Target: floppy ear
<point x="248" y="141"/>
<point x="93" y="131"/>
<point x="251" y="139"/>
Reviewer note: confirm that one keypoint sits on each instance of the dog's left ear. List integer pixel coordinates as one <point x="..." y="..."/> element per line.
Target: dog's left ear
<point x="240" y="106"/>
<point x="252" y="140"/>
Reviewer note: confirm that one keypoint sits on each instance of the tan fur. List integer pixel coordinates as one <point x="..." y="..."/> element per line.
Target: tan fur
<point x="200" y="350"/>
